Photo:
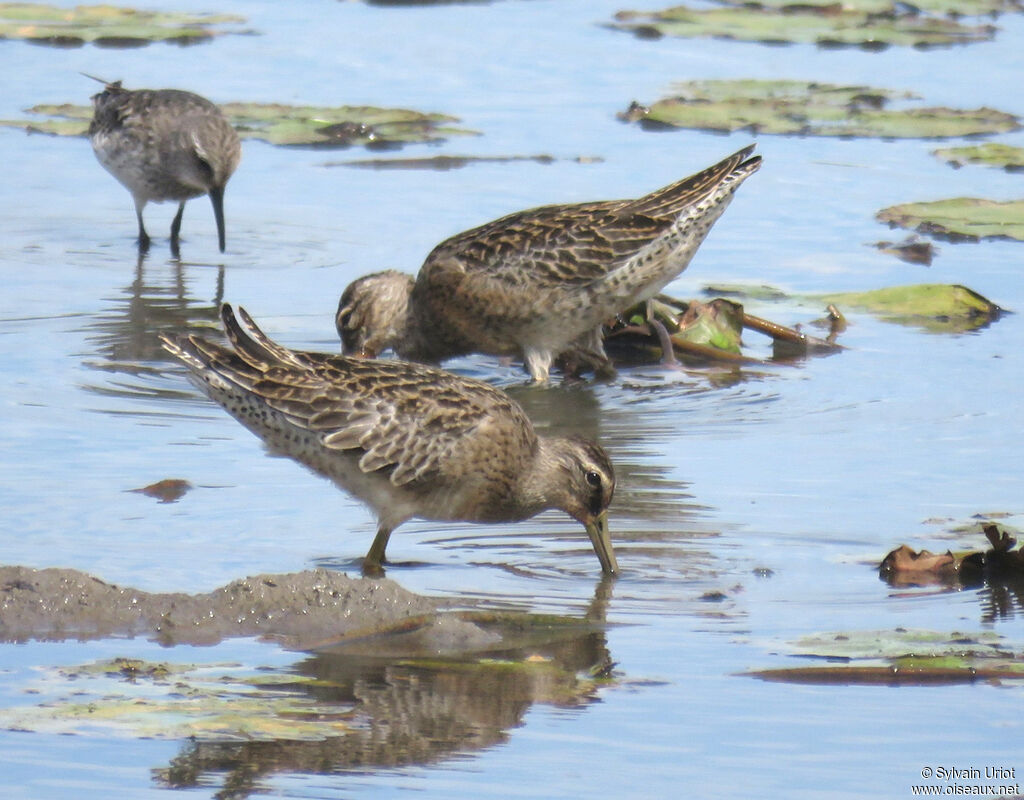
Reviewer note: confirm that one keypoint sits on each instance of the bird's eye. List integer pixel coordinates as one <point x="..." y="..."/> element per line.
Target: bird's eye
<point x="593" y="478"/>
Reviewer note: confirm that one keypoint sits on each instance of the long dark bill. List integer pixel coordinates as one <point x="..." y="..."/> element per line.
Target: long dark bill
<point x="602" y="541"/>
<point x="217" y="199"/>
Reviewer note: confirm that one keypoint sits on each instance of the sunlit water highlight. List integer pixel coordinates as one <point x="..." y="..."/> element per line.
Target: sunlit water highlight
<point x="751" y="509"/>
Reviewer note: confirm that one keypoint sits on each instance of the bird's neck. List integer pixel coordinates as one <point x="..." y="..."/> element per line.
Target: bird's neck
<point x="423" y="338"/>
<point x="541" y="486"/>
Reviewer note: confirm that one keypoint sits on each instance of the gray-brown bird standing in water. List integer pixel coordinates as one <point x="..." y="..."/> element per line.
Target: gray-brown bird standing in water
<point x="407" y="439"/>
<point x="165" y="144"/>
<point x="539" y="283"/>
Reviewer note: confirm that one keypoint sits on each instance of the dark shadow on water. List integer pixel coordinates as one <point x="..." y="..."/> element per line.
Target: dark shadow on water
<point x="403" y="712"/>
<point x="158" y="300"/>
<point x="123" y="338"/>
<point x="1001" y="600"/>
<point x="385" y="678"/>
<point x="1001" y="597"/>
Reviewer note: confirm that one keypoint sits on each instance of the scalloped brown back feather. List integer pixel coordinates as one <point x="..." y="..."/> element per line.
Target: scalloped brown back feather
<point x="407" y="439"/>
<point x="532" y="282"/>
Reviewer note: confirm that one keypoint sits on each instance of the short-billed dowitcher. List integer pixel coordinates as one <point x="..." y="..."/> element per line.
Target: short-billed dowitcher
<point x="165" y="144"/>
<point x="538" y="283"/>
<point x="408" y="440"/>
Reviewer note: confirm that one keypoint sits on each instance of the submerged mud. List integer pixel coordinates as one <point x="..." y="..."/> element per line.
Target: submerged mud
<point x="302" y="610"/>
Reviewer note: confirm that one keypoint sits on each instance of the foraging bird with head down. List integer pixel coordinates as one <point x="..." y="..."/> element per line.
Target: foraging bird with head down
<point x="408" y="440"/>
<point x="165" y="144"/>
<point x="539" y="283"/>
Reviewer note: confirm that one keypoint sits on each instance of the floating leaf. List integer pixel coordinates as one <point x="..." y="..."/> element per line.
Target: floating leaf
<point x="444" y="163"/>
<point x="811" y="109"/>
<point x="109" y="26"/>
<point x="717" y="324"/>
<point x="910" y="672"/>
<point x="174" y="701"/>
<point x="709" y="331"/>
<point x="999" y="564"/>
<point x="934" y="306"/>
<point x="953" y="8"/>
<point x="872" y="27"/>
<point x="300" y="126"/>
<point x="912" y="250"/>
<point x="541" y="658"/>
<point x="899" y="643"/>
<point x="940" y="308"/>
<point x="339" y="126"/>
<point x="910" y="657"/>
<point x="991" y="154"/>
<point x="168" y="490"/>
<point x="960" y="219"/>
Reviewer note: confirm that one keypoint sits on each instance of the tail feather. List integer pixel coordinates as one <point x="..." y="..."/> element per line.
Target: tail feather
<point x="220" y="368"/>
<point x="704" y="197"/>
<point x="250" y="343"/>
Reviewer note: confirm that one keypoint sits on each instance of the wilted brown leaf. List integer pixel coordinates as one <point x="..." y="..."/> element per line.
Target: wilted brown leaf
<point x="169" y="490"/>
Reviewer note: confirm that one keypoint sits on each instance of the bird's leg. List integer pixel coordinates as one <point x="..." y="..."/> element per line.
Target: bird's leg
<point x="373" y="563"/>
<point x="176" y="228"/>
<point x="538" y="362"/>
<point x="143" y="236"/>
<point x="593" y="347"/>
<point x="668" y="353"/>
<point x="587" y="353"/>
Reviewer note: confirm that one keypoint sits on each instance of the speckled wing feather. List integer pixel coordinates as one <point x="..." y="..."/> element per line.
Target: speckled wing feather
<point x="564" y="245"/>
<point x="407" y="418"/>
<point x="492" y="280"/>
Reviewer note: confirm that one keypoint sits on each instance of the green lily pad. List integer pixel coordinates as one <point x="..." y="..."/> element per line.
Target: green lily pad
<point x="955" y="8"/>
<point x="990" y="154"/>
<point x="901" y="643"/>
<point x="941" y="308"/>
<point x="924" y="299"/>
<point x="109" y="26"/>
<point x="173" y="701"/>
<point x="937" y="308"/>
<point x="812" y="109"/>
<point x="906" y="656"/>
<point x="960" y="219"/>
<point x="296" y="126"/>
<point x="833" y="25"/>
<point x="554" y="660"/>
<point x="339" y="126"/>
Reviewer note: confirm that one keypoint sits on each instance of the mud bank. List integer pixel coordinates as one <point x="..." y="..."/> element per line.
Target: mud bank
<point x="314" y="609"/>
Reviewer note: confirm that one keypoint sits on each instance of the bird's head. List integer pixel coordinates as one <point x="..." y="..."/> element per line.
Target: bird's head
<point x="372" y="313"/>
<point x="585" y="492"/>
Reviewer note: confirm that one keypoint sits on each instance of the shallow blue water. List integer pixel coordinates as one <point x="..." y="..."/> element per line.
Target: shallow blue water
<point x="813" y="471"/>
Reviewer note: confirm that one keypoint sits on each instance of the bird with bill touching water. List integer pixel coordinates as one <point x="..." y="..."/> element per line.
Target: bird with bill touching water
<point x="409" y="440"/>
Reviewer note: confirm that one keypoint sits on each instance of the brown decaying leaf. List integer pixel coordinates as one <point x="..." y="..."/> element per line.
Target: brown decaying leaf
<point x="632" y="338"/>
<point x="169" y="490"/>
<point x="906" y="560"/>
<point x="891" y="675"/>
<point x="907" y="567"/>
<point x="912" y="250"/>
